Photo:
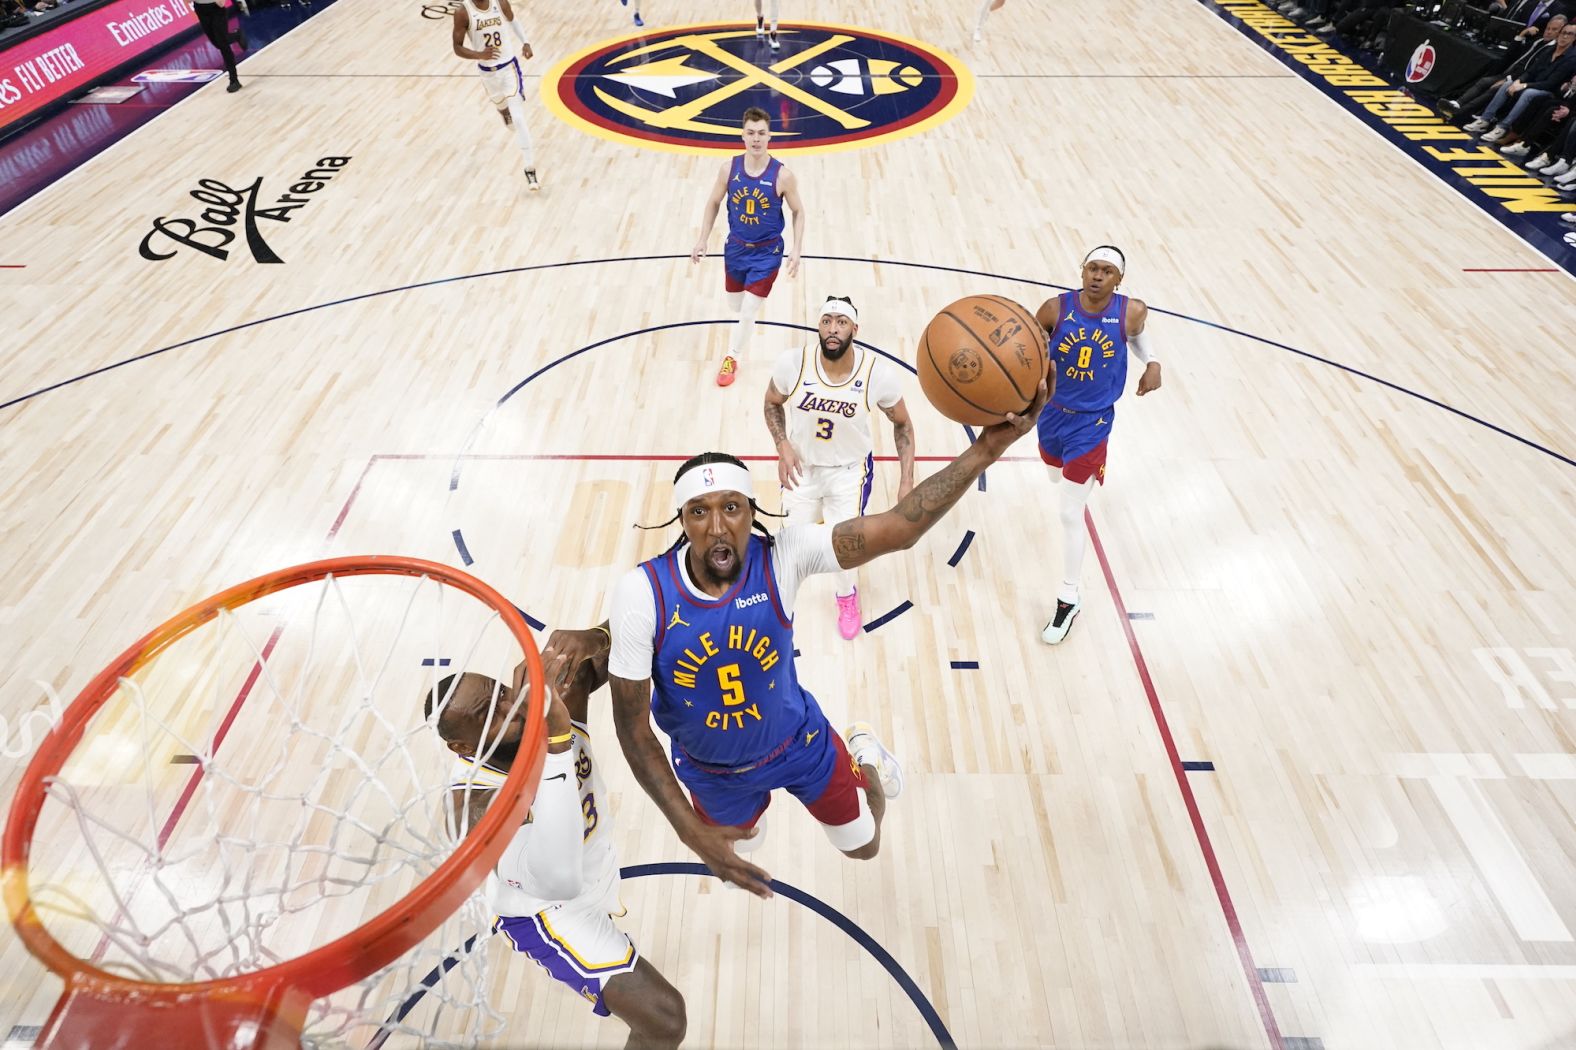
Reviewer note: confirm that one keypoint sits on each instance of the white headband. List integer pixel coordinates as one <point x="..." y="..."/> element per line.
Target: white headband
<point x="837" y="306"/>
<point x="713" y="477"/>
<point x="1107" y="255"/>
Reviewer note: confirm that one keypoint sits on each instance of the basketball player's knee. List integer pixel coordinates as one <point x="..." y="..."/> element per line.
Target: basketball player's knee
<point x="1071" y="513"/>
<point x="866" y="852"/>
<point x="669" y="1022"/>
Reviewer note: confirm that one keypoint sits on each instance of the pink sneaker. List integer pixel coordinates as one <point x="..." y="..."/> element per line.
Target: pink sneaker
<point x="848" y="614"/>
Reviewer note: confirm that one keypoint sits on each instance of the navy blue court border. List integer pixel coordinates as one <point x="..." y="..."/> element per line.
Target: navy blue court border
<point x="910" y="988"/>
<point x="1468" y="416"/>
<point x="1546" y="236"/>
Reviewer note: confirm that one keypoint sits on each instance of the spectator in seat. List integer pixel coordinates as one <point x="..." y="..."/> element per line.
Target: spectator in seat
<point x="1543" y="75"/>
<point x="1474" y="98"/>
<point x="1541" y="126"/>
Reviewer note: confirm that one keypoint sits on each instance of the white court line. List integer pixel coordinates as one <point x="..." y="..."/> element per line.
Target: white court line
<point x="1467" y="971"/>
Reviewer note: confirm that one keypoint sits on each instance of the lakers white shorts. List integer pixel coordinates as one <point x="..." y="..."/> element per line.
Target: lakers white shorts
<point x="503" y="81"/>
<point x="830" y="494"/>
<point x="577" y="943"/>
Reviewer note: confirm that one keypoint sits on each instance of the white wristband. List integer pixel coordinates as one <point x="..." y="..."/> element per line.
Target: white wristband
<point x="1141" y="349"/>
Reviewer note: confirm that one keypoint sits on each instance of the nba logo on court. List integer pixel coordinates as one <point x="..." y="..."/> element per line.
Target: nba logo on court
<point x="830" y="87"/>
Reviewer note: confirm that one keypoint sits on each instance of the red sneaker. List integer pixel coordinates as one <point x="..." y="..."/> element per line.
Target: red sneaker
<point x="728" y="372"/>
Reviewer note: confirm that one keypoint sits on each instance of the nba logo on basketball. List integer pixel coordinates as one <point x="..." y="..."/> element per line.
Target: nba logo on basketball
<point x="1421" y="63"/>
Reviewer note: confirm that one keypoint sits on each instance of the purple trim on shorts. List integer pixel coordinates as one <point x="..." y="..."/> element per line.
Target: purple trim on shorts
<point x="530" y="937"/>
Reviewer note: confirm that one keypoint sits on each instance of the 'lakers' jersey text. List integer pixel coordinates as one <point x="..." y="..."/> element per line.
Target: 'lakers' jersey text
<point x="486" y="30"/>
<point x="829" y="423"/>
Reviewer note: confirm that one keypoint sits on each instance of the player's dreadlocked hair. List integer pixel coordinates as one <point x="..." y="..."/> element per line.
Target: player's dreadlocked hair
<point x="706" y="459"/>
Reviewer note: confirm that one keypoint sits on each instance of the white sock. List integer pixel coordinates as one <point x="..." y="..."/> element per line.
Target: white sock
<point x="979" y="23"/>
<point x="846" y="580"/>
<point x="777" y="7"/>
<point x="1070" y="504"/>
<point x="747" y="313"/>
<point x="521" y="132"/>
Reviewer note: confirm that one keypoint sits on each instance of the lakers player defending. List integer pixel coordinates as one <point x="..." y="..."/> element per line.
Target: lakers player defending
<point x="555" y="889"/>
<point x="825" y="458"/>
<point x="479" y="27"/>
<point x="1091" y="332"/>
<point x="703" y="641"/>
<point x="756" y="186"/>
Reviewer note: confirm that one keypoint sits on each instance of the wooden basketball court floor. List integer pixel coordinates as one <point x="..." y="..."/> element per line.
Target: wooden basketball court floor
<point x="1304" y="774"/>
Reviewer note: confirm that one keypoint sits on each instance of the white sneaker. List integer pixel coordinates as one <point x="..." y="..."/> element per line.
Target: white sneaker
<point x="1520" y="149"/>
<point x="868" y="750"/>
<point x="772" y="40"/>
<point x="1566" y="179"/>
<point x="1478" y="124"/>
<point x="1538" y="163"/>
<point x="1497" y="134"/>
<point x="1061" y="622"/>
<point x="531" y="181"/>
<point x="1569" y="218"/>
<point x="1556" y="169"/>
<point x="760" y="29"/>
<point x="1570" y="239"/>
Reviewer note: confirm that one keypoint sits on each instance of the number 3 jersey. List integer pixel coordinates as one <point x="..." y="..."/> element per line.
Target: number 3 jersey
<point x="512" y="889"/>
<point x="829" y="423"/>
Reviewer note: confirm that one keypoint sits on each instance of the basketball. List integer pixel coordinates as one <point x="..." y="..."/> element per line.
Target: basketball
<point x="980" y="358"/>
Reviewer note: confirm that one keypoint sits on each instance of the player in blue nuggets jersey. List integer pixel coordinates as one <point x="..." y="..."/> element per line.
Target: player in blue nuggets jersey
<point x="702" y="638"/>
<point x="756" y="186"/>
<point x="1090" y="332"/>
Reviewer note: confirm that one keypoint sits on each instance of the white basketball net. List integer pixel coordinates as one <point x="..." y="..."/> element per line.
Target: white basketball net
<point x="270" y="783"/>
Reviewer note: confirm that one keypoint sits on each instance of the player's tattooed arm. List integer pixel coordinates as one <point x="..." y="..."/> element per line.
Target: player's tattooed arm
<point x="789" y="466"/>
<point x="860" y="540"/>
<point x="776" y="415"/>
<point x="903" y="439"/>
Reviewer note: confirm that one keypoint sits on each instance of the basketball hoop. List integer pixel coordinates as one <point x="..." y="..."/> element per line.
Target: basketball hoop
<point x="209" y="951"/>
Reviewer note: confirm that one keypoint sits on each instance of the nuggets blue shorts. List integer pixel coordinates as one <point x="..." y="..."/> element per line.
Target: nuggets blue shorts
<point x="752" y="270"/>
<point x="1075" y="441"/>
<point x="814" y="767"/>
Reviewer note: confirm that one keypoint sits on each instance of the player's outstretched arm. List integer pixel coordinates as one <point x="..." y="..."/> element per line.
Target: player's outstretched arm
<point x="714" y="845"/>
<point x="859" y="540"/>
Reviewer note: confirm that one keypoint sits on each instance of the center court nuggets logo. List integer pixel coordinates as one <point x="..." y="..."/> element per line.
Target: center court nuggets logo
<point x="685" y="89"/>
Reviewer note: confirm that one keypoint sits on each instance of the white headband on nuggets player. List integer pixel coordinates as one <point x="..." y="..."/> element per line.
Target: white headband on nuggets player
<point x="712" y="477"/>
<point x="837" y="306"/>
<point x="1107" y="255"/>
